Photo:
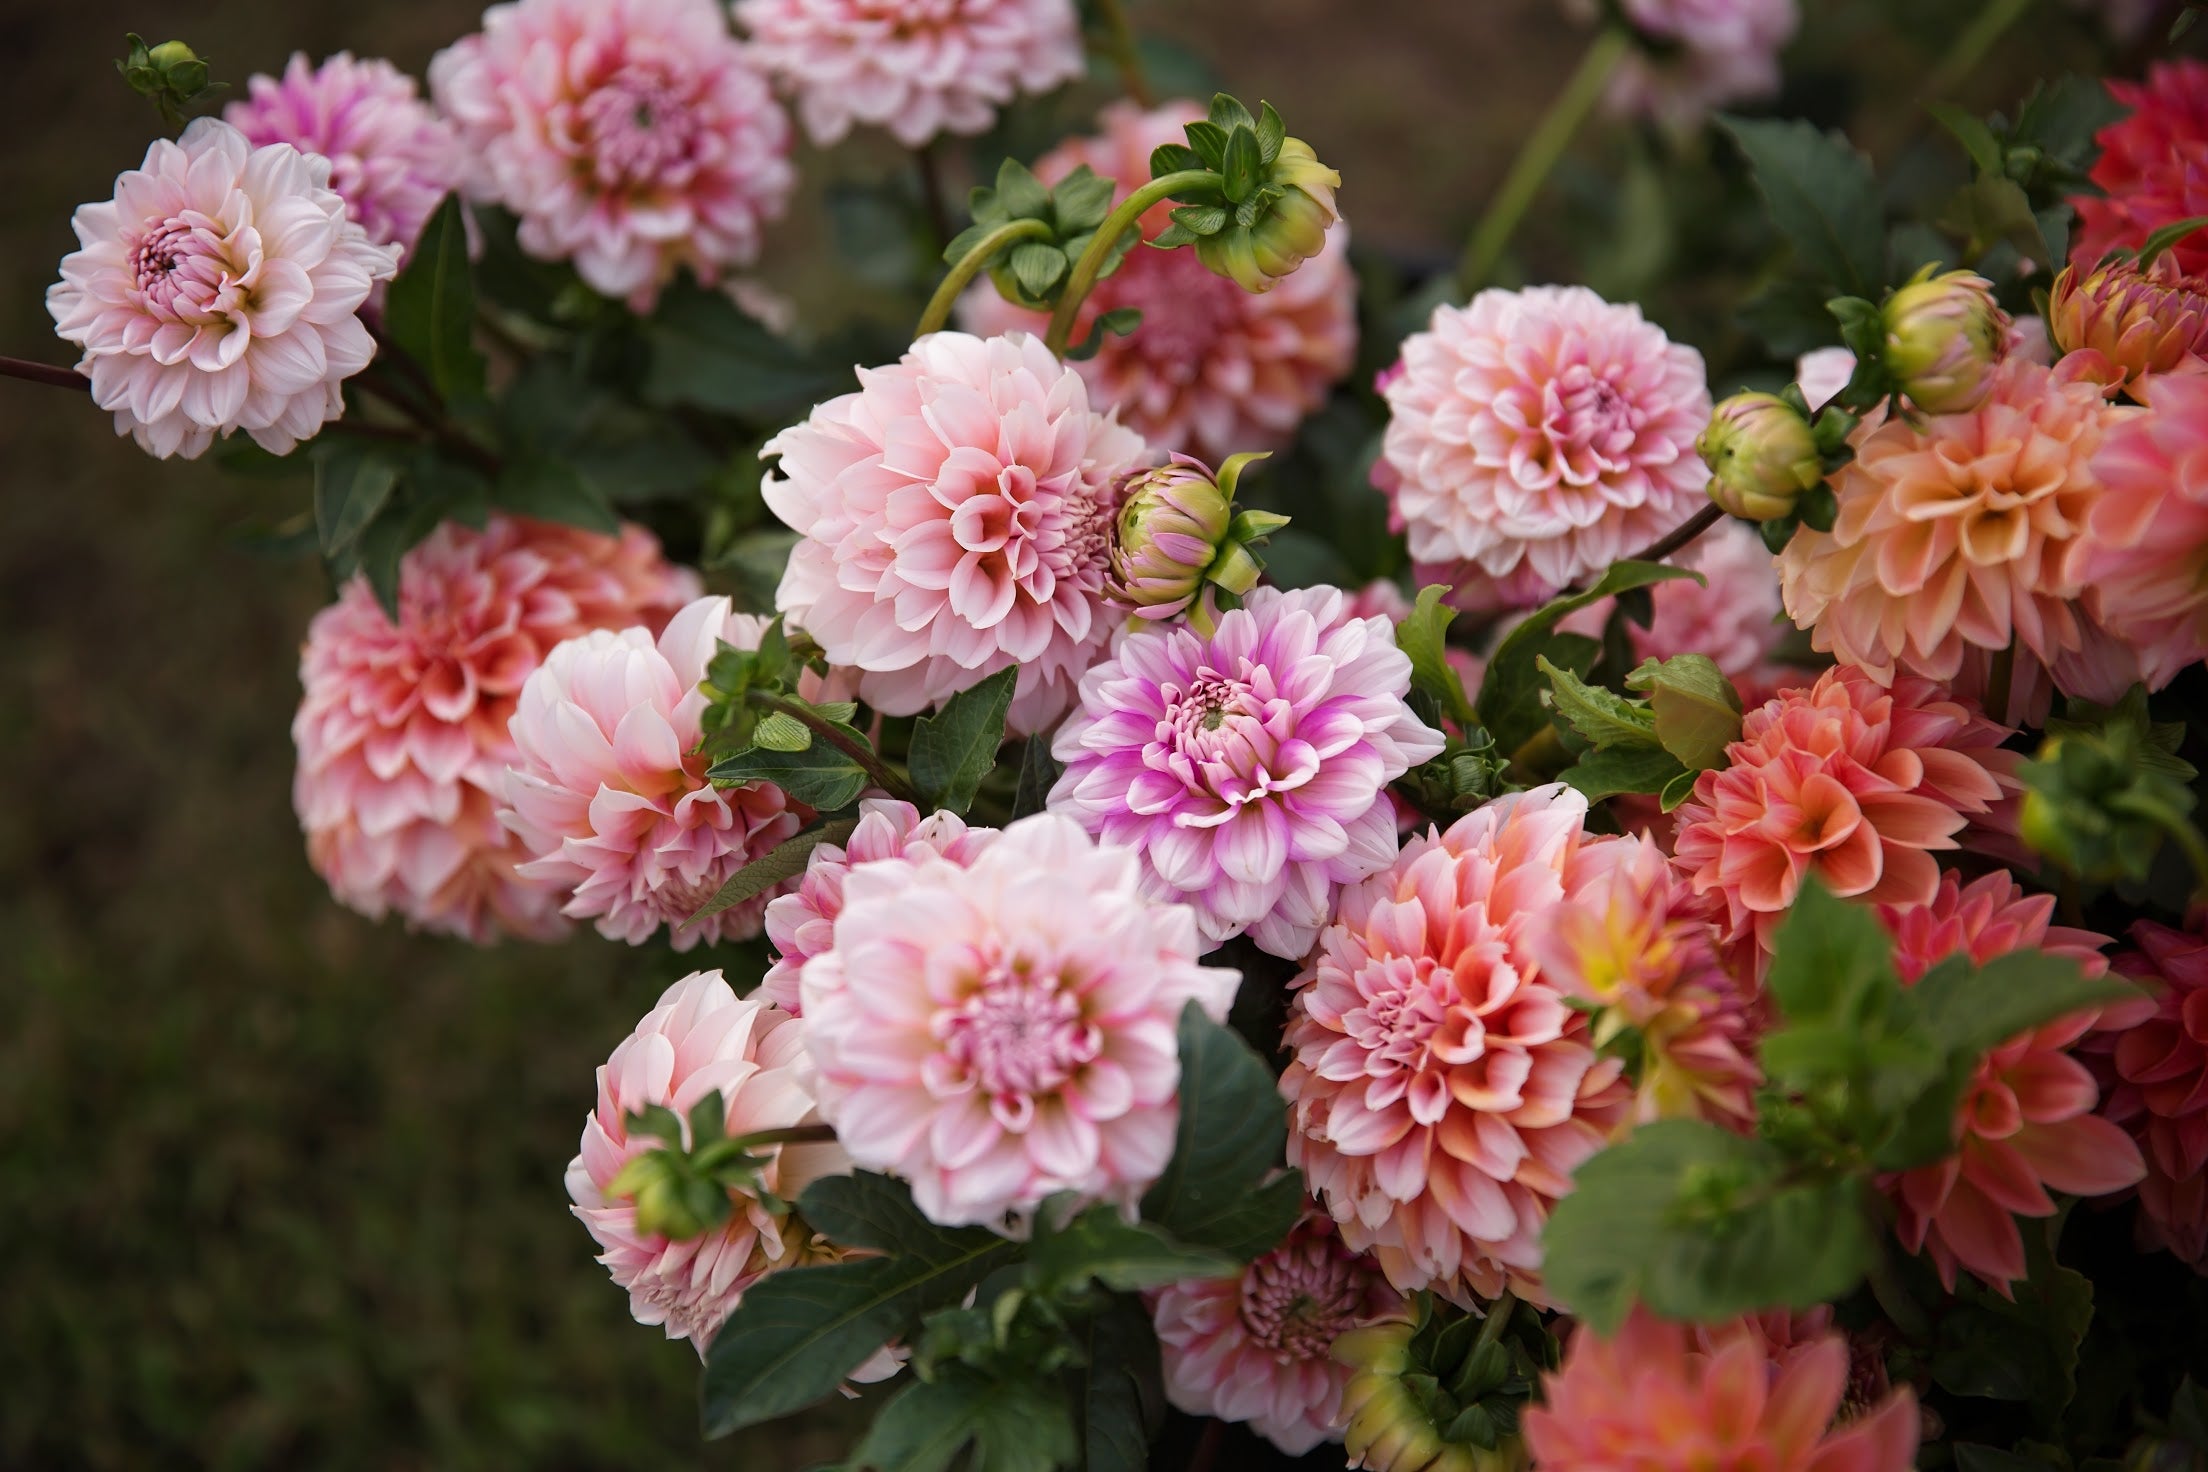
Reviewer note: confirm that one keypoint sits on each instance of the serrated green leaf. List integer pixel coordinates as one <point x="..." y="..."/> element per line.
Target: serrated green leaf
<point x="1509" y="705"/>
<point x="1124" y="1256"/>
<point x="553" y="490"/>
<point x="1231" y="1137"/>
<point x="1423" y="635"/>
<point x="1013" y="1425"/>
<point x="1603" y="717"/>
<point x="821" y="776"/>
<point x="1696" y="709"/>
<point x="2060" y="118"/>
<point x="1621" y="769"/>
<point x="429" y="310"/>
<point x="1972" y="1010"/>
<point x="1038" y="774"/>
<point x="1823" y="198"/>
<point x="954" y="749"/>
<point x="1831" y="958"/>
<point x="786" y="860"/>
<point x="352" y="484"/>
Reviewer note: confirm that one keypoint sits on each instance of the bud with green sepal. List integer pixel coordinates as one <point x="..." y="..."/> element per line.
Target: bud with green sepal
<point x="170" y="74"/>
<point x="1177" y="535"/>
<point x="1443" y="1392"/>
<point x="682" y="1188"/>
<point x="1268" y="205"/>
<point x="1768" y="461"/>
<point x="1027" y="236"/>
<point x="2105" y="788"/>
<point x="1943" y="337"/>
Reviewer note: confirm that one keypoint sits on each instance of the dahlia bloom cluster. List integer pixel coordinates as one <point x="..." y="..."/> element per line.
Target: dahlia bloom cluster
<point x="402" y="734"/>
<point x="2153" y="168"/>
<point x="2152" y="1061"/>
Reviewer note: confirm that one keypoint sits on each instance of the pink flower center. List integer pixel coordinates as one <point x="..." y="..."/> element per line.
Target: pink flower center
<point x="1294" y="1302"/>
<point x="1216" y="715"/>
<point x="181" y="270"/>
<point x="639" y="130"/>
<point x="1020" y="1034"/>
<point x="1581" y="429"/>
<point x="1406" y="1004"/>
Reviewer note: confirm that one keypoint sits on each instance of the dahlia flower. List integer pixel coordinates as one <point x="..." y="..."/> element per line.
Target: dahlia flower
<point x="915" y="67"/>
<point x="801" y="924"/>
<point x="392" y="160"/>
<point x="2153" y="1064"/>
<point x="1258" y="1347"/>
<point x="2153" y="168"/>
<point x="1822" y="373"/>
<point x="703" y="1039"/>
<point x="2149" y="530"/>
<point x="1543" y="431"/>
<point x="608" y="792"/>
<point x="956" y="519"/>
<point x="1248" y="768"/>
<point x="1958" y="533"/>
<point x="1732" y="616"/>
<point x="632" y="137"/>
<point x="1442" y="1091"/>
<point x="2142" y="322"/>
<point x="219" y="290"/>
<point x="2026" y="1120"/>
<point x="1653" y="1398"/>
<point x="1714" y="53"/>
<point x="1214" y="370"/>
<point x="402" y="735"/>
<point x="1002" y="1030"/>
<point x="1848" y="780"/>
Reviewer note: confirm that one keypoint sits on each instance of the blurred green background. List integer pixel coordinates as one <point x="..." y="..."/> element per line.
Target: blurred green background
<point x="281" y="1188"/>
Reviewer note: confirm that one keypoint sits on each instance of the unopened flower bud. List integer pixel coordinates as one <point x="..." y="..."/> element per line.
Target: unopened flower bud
<point x="1275" y="217"/>
<point x="1762" y="456"/>
<point x="1177" y="530"/>
<point x="1386" y="1426"/>
<point x="2141" y="322"/>
<point x="1944" y="337"/>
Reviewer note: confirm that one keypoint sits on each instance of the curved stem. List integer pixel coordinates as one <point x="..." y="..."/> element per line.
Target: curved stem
<point x="1971" y="46"/>
<point x="796" y="1134"/>
<point x="972" y="264"/>
<point x="1538" y="157"/>
<point x="1085" y="271"/>
<point x="1679" y="536"/>
<point x="1125" y="54"/>
<point x="47" y="373"/>
<point x="879" y="772"/>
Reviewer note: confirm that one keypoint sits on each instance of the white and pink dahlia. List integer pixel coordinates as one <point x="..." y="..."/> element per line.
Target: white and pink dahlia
<point x="956" y="520"/>
<point x="608" y="792"/>
<point x="998" y="1031"/>
<point x="916" y="67"/>
<point x="1258" y="1347"/>
<point x="392" y="159"/>
<point x="1544" y="433"/>
<point x="802" y="923"/>
<point x="402" y="735"/>
<point x="1442" y="1091"/>
<point x="219" y="290"/>
<point x="1213" y="370"/>
<point x="632" y="137"/>
<point x="1248" y="768"/>
<point x="702" y="1039"/>
<point x="1708" y="54"/>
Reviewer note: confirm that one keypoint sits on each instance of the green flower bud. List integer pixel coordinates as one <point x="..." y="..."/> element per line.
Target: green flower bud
<point x="1944" y="337"/>
<point x="671" y="1198"/>
<point x="1176" y="530"/>
<point x="1762" y="455"/>
<point x="1388" y="1425"/>
<point x="1268" y="205"/>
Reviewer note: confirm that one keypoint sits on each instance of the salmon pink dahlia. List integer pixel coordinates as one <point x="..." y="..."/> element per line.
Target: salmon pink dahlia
<point x="2149" y="530"/>
<point x="699" y="1041"/>
<point x="1848" y="780"/>
<point x="956" y="516"/>
<point x="219" y="290"/>
<point x="915" y="67"/>
<point x="2153" y="1064"/>
<point x="1213" y="370"/>
<point x="632" y="137"/>
<point x="608" y="792"/>
<point x="1258" y="1347"/>
<point x="1544" y="433"/>
<point x="1442" y="1091"/>
<point x="2153" y="168"/>
<point x="402" y="735"/>
<point x="1002" y="1030"/>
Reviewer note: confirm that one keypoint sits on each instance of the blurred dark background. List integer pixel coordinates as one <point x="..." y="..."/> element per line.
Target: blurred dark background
<point x="281" y="1188"/>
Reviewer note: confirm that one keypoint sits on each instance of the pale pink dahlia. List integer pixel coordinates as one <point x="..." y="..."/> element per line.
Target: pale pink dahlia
<point x="1733" y="616"/>
<point x="1257" y="1347"/>
<point x="1848" y="780"/>
<point x="2026" y="1121"/>
<point x="1248" y="768"/>
<point x="1822" y="373"/>
<point x="1213" y="370"/>
<point x="392" y="160"/>
<point x="915" y="67"/>
<point x="632" y="137"/>
<point x="608" y="791"/>
<point x="1443" y="1092"/>
<point x="1657" y="1397"/>
<point x="402" y="735"/>
<point x="2148" y="541"/>
<point x="700" y="1040"/>
<point x="802" y="923"/>
<point x="1544" y="432"/>
<point x="1710" y="54"/>
<point x="219" y="290"/>
<point x="1002" y="1030"/>
<point x="956" y="514"/>
<point x="2153" y="1065"/>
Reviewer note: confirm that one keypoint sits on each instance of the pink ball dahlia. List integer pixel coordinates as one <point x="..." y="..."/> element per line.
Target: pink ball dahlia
<point x="1715" y="53"/>
<point x="608" y="791"/>
<point x="915" y="67"/>
<point x="802" y="923"/>
<point x="1214" y="370"/>
<point x="219" y="290"/>
<point x="632" y="137"/>
<point x="2153" y="1065"/>
<point x="2026" y="1122"/>
<point x="1543" y="432"/>
<point x="703" y="1039"/>
<point x="1248" y="768"/>
<point x="2153" y="168"/>
<point x="402" y="735"/>
<point x="1442" y="1091"/>
<point x="1657" y="1397"/>
<point x="999" y="1031"/>
<point x="1257" y="1347"/>
<point x="392" y="160"/>
<point x="2141" y="568"/>
<point x="956" y="514"/>
<point x="1848" y="780"/>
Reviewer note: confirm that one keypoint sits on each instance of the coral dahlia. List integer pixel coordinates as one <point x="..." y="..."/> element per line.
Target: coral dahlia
<point x="2153" y="1065"/>
<point x="2153" y="168"/>
<point x="2141" y="567"/>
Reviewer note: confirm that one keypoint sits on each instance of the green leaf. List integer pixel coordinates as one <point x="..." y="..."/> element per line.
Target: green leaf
<point x="1423" y="635"/>
<point x="1013" y="1425"/>
<point x="1174" y="158"/>
<point x="1038" y="267"/>
<point x="1124" y="1256"/>
<point x="1973" y="1010"/>
<point x="821" y="776"/>
<point x="1229" y="113"/>
<point x="1209" y="142"/>
<point x="1620" y="769"/>
<point x="708" y="353"/>
<point x="2060" y="119"/>
<point x="864" y="1209"/>
<point x="1201" y="219"/>
<point x="1605" y="718"/>
<point x="954" y="749"/>
<point x="2023" y="1348"/>
<point x="1977" y="139"/>
<point x="1121" y="1350"/>
<point x="1081" y="201"/>
<point x="1823" y="198"/>
<point x="352" y="483"/>
<point x="1038" y="774"/>
<point x="1831" y="957"/>
<point x="1118" y="322"/>
<point x="1510" y="696"/>
<point x="1241" y="166"/>
<point x="1994" y="210"/>
<point x="786" y="860"/>
<point x="430" y="309"/>
<point x="388" y="539"/>
<point x="2161" y="240"/>
<point x="1019" y="193"/>
<point x="781" y="731"/>
<point x="553" y="490"/>
<point x="1232" y="1135"/>
<point x="1696" y="708"/>
<point x="1271" y="132"/>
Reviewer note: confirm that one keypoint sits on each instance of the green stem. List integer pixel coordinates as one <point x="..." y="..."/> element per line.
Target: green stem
<point x="879" y="772"/>
<point x="2174" y="824"/>
<point x="931" y="193"/>
<point x="1538" y="157"/>
<point x="1120" y="44"/>
<point x="971" y="265"/>
<point x="1971" y="46"/>
<point x="796" y="1134"/>
<point x="1086" y="270"/>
